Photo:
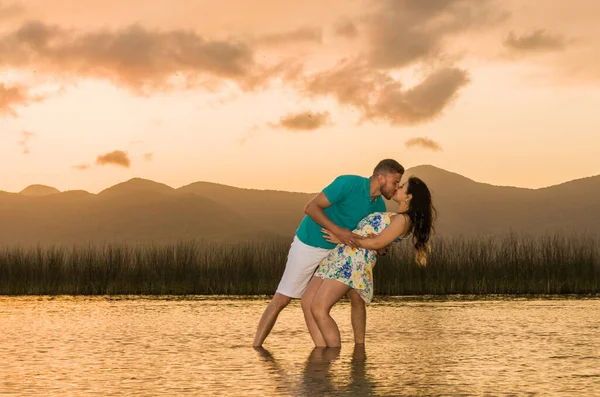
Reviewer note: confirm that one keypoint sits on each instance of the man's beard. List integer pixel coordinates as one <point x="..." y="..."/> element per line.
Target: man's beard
<point x="386" y="194"/>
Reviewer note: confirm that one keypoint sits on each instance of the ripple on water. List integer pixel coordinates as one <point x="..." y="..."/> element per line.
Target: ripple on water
<point x="138" y="346"/>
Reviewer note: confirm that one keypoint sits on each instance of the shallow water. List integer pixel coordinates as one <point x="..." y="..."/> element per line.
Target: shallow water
<point x="153" y="346"/>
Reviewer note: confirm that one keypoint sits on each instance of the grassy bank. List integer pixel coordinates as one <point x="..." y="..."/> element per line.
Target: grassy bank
<point x="513" y="264"/>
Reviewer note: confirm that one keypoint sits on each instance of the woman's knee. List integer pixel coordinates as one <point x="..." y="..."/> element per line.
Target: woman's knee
<point x="355" y="299"/>
<point x="319" y="310"/>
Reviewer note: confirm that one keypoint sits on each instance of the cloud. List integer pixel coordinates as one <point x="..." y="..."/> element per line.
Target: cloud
<point x="305" y="34"/>
<point x="403" y="32"/>
<point x="304" y="121"/>
<point x="10" y="10"/>
<point x="399" y="34"/>
<point x="117" y="157"/>
<point x="539" y="40"/>
<point x="424" y="143"/>
<point x="380" y="97"/>
<point x="16" y="95"/>
<point x="134" y="57"/>
<point x="347" y="29"/>
<point x="25" y="137"/>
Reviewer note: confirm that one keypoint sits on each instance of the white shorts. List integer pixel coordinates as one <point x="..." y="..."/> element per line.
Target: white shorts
<point x="302" y="261"/>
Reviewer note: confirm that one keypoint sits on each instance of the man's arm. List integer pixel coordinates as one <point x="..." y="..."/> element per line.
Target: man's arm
<point x="315" y="209"/>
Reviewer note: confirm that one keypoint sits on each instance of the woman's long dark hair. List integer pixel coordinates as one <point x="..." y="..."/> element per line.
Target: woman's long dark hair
<point x="422" y="215"/>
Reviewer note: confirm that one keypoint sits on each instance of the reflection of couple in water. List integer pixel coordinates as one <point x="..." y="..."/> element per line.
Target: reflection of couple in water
<point x="337" y="243"/>
<point x="317" y="379"/>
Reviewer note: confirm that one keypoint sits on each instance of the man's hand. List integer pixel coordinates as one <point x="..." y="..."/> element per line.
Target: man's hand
<point x="329" y="236"/>
<point x="346" y="237"/>
<point x="340" y="236"/>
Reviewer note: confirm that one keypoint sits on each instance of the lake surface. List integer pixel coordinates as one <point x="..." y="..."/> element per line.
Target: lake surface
<point x="201" y="346"/>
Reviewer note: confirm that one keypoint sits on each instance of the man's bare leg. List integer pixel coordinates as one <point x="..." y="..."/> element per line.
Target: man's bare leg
<point x="358" y="316"/>
<point x="306" y="301"/>
<point x="269" y="317"/>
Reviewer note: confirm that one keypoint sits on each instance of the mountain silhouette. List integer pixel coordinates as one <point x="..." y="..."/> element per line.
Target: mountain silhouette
<point x="275" y="211"/>
<point x="136" y="187"/>
<point x="141" y="210"/>
<point x="467" y="207"/>
<point x="38" y="190"/>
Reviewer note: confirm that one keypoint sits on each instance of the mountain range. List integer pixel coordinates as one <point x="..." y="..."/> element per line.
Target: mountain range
<point x="140" y="211"/>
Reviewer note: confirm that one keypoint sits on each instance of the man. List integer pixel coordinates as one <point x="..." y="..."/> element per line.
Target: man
<point x="339" y="208"/>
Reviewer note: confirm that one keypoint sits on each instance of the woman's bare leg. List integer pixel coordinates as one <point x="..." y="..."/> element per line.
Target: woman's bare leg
<point x="329" y="293"/>
<point x="359" y="316"/>
<point x="306" y="301"/>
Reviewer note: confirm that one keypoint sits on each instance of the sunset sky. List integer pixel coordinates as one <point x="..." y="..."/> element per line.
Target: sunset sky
<point x="288" y="94"/>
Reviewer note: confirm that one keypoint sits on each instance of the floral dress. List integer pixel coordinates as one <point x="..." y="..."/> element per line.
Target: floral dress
<point x="354" y="266"/>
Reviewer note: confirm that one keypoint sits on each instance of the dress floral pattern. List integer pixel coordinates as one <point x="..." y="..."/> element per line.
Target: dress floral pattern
<point x="354" y="266"/>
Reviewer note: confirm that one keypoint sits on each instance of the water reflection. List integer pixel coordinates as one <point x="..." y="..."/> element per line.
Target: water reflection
<point x="164" y="346"/>
<point x="360" y="383"/>
<point x="274" y="369"/>
<point x="317" y="378"/>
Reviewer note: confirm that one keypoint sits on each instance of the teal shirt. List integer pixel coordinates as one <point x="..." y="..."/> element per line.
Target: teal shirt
<point x="350" y="199"/>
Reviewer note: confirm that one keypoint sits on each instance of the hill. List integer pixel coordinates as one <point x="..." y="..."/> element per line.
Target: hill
<point x="38" y="190"/>
<point x="141" y="210"/>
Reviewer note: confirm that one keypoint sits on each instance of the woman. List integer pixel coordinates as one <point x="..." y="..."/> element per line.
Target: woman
<point x="351" y="269"/>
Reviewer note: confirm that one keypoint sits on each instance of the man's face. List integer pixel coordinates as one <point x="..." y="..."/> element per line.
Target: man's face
<point x="389" y="184"/>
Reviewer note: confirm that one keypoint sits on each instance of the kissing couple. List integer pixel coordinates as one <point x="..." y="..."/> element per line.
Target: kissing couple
<point x="345" y="228"/>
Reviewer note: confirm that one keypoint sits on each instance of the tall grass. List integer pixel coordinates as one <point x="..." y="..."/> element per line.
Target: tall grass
<point x="511" y="264"/>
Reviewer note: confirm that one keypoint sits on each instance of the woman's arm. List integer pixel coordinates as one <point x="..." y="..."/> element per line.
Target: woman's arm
<point x="375" y="242"/>
<point x="329" y="236"/>
<point x="396" y="229"/>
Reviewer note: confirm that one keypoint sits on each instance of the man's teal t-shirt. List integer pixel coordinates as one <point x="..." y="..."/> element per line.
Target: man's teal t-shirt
<point x="350" y="199"/>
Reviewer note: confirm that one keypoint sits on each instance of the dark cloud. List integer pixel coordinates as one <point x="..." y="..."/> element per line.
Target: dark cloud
<point x="539" y="40"/>
<point x="304" y="121"/>
<point x="347" y="29"/>
<point x="380" y="97"/>
<point x="424" y="143"/>
<point x="13" y="96"/>
<point x="117" y="157"/>
<point x="24" y="142"/>
<point x="402" y="32"/>
<point x="135" y="57"/>
<point x="299" y="35"/>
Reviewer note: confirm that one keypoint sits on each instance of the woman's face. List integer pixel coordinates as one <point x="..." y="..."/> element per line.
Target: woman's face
<point x="401" y="194"/>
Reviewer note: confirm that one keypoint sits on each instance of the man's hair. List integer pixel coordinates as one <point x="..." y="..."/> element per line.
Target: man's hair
<point x="388" y="166"/>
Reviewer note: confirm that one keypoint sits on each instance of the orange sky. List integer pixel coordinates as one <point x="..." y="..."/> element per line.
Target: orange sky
<point x="287" y="95"/>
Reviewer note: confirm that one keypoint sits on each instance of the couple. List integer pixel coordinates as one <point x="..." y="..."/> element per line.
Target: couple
<point x="328" y="260"/>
